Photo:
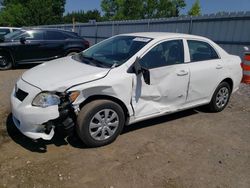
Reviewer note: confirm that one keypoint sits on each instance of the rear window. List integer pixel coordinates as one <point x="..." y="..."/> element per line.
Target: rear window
<point x="55" y="35"/>
<point x="201" y="51"/>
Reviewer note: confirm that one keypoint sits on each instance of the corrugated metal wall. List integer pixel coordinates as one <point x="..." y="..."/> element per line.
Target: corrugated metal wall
<point x="230" y="30"/>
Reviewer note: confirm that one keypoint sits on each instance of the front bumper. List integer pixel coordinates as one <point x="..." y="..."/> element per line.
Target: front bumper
<point x="31" y="120"/>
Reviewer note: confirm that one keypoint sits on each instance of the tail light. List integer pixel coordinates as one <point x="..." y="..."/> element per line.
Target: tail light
<point x="86" y="43"/>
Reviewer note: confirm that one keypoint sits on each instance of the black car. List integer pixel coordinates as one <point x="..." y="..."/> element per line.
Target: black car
<point x="38" y="45"/>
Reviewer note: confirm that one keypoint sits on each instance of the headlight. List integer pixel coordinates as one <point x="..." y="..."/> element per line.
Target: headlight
<point x="46" y="99"/>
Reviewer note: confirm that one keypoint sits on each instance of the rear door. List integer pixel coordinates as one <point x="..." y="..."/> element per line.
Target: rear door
<point x="206" y="71"/>
<point x="55" y="42"/>
<point x="169" y="77"/>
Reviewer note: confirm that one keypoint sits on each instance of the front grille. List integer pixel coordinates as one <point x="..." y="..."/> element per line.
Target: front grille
<point x="21" y="95"/>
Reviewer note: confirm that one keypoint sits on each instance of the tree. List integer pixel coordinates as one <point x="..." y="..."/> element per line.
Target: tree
<point x="31" y="12"/>
<point x="131" y="9"/>
<point x="13" y="15"/>
<point x="81" y="16"/>
<point x="110" y="8"/>
<point x="196" y="9"/>
<point x="150" y="7"/>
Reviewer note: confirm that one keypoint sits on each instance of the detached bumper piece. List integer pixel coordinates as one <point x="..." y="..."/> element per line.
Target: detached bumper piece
<point x="65" y="123"/>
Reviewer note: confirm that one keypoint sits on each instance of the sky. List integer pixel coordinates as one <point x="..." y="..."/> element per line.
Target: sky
<point x="208" y="6"/>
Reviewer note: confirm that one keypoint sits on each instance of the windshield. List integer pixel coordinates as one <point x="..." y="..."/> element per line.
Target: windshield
<point x="112" y="52"/>
<point x="14" y="34"/>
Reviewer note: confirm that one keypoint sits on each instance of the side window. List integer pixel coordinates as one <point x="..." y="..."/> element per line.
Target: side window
<point x="4" y="32"/>
<point x="201" y="51"/>
<point x="164" y="54"/>
<point x="32" y="35"/>
<point x="55" y="35"/>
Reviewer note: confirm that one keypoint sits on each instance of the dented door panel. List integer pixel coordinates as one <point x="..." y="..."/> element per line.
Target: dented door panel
<point x="166" y="92"/>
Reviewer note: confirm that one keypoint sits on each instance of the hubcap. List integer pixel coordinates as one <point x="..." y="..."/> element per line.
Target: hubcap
<point x="222" y="97"/>
<point x="104" y="124"/>
<point x="3" y="62"/>
<point x="72" y="53"/>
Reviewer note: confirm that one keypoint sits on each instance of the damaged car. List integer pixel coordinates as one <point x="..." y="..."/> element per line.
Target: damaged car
<point x="120" y="81"/>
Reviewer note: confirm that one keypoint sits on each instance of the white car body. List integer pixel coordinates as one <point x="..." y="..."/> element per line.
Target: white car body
<point x="172" y="88"/>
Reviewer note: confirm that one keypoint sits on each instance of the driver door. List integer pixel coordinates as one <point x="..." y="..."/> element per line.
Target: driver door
<point x="32" y="49"/>
<point x="169" y="78"/>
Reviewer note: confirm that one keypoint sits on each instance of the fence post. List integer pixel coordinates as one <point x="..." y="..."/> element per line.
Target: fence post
<point x="118" y="29"/>
<point x="148" y="24"/>
<point x="112" y="28"/>
<point x="96" y="31"/>
<point x="190" y="29"/>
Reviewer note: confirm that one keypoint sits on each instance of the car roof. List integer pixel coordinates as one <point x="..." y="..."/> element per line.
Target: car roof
<point x="50" y="29"/>
<point x="164" y="35"/>
<point x="10" y="28"/>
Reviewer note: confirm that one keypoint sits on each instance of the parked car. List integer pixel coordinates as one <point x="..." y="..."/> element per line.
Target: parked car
<point x="6" y="30"/>
<point x="123" y="80"/>
<point x="38" y="45"/>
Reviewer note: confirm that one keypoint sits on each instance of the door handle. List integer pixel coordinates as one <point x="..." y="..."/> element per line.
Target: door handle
<point x="182" y="73"/>
<point x="219" y="66"/>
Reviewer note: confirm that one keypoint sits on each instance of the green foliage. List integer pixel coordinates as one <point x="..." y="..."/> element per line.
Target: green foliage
<point x="31" y="12"/>
<point x="196" y="9"/>
<point x="45" y="12"/>
<point x="140" y="9"/>
<point x="13" y="15"/>
<point x="81" y="16"/>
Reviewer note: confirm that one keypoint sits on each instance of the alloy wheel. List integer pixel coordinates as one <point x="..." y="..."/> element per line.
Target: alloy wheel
<point x="104" y="124"/>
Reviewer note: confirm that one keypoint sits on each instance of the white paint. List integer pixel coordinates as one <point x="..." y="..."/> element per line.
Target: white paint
<point x="173" y="88"/>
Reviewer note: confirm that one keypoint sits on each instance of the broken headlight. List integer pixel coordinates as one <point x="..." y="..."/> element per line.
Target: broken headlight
<point x="46" y="99"/>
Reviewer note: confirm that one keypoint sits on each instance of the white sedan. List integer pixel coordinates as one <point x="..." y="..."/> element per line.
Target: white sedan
<point x="123" y="80"/>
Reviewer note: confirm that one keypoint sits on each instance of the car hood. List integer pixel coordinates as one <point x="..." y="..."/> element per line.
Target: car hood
<point x="60" y="74"/>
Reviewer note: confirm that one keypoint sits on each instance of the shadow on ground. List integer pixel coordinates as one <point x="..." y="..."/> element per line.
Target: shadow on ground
<point x="25" y="66"/>
<point x="40" y="146"/>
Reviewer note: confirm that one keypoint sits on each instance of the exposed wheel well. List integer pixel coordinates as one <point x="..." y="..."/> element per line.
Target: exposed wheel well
<point x="73" y="50"/>
<point x="229" y="81"/>
<point x="96" y="97"/>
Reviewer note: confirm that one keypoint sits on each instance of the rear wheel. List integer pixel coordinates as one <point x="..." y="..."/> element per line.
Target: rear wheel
<point x="220" y="98"/>
<point x="72" y="53"/>
<point x="100" y="122"/>
<point x="5" y="61"/>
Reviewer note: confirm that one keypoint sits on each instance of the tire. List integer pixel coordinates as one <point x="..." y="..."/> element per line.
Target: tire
<point x="100" y="122"/>
<point x="5" y="61"/>
<point x="220" y="98"/>
<point x="72" y="53"/>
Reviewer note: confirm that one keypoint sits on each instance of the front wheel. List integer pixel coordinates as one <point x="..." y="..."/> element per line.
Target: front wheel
<point x="72" y="53"/>
<point x="100" y="122"/>
<point x="220" y="98"/>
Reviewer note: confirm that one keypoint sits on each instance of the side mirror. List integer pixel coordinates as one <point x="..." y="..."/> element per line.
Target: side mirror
<point x="138" y="69"/>
<point x="137" y="66"/>
<point x="22" y="40"/>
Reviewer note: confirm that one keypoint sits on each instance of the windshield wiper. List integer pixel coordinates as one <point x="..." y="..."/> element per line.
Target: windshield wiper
<point x="96" y="61"/>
